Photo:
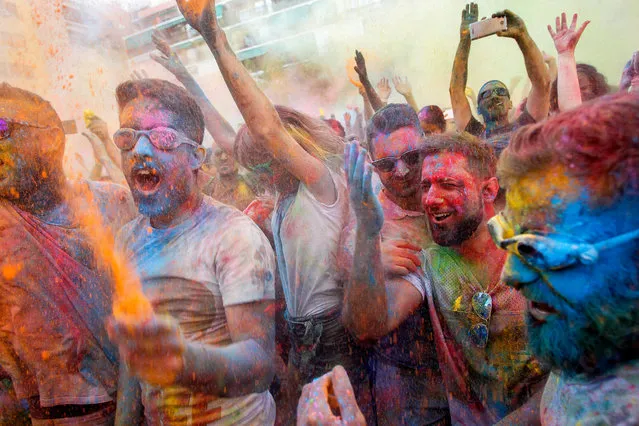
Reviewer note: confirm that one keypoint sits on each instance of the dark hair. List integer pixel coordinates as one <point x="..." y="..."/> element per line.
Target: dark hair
<point x="432" y="114"/>
<point x="389" y="119"/>
<point x="597" y="81"/>
<point x="170" y="97"/>
<point x="479" y="154"/>
<point x="597" y="143"/>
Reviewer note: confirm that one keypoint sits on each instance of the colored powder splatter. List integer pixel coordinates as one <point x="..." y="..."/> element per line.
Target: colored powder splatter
<point x="129" y="302"/>
<point x="10" y="271"/>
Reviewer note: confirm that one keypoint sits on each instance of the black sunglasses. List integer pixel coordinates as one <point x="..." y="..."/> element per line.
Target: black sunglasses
<point x="499" y="91"/>
<point x="7" y="126"/>
<point x="410" y="158"/>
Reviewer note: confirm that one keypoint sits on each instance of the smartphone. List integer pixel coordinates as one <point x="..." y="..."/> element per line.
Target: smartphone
<point x="487" y="27"/>
<point x="70" y="127"/>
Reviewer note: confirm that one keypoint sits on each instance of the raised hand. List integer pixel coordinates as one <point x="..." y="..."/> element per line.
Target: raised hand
<point x="383" y="89"/>
<point x="167" y="57"/>
<point x="329" y="400"/>
<point x="566" y="38"/>
<point x="516" y="25"/>
<point x="368" y="210"/>
<point x="139" y="75"/>
<point x="403" y="87"/>
<point x="98" y="127"/>
<point x="200" y="14"/>
<point x="347" y="118"/>
<point x="360" y="66"/>
<point x="153" y="350"/>
<point x="400" y="257"/>
<point x="470" y="15"/>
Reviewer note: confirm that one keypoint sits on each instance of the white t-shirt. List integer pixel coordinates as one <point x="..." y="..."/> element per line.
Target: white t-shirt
<point x="312" y="235"/>
<point x="216" y="258"/>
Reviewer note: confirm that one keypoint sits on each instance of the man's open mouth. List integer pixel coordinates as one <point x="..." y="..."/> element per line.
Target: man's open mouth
<point x="146" y="179"/>
<point x="540" y="311"/>
<point x="440" y="217"/>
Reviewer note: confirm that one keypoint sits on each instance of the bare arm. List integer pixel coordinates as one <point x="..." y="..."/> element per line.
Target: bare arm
<point x="404" y="88"/>
<point x="372" y="306"/>
<point x="216" y="124"/>
<point x="566" y="39"/>
<point x="459" y="76"/>
<point x="98" y="127"/>
<point x="538" y="103"/>
<point x="104" y="159"/>
<point x="368" y="109"/>
<point x="259" y="114"/>
<point x="244" y="367"/>
<point x="372" y="96"/>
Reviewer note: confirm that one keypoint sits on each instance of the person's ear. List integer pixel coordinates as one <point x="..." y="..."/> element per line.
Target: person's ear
<point x="197" y="159"/>
<point x="489" y="190"/>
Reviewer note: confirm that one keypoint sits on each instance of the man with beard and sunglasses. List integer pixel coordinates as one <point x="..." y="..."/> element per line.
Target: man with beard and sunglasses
<point x="571" y="231"/>
<point x="477" y="321"/>
<point x="493" y="99"/>
<point x="206" y="355"/>
<point x="408" y="388"/>
<point x="56" y="292"/>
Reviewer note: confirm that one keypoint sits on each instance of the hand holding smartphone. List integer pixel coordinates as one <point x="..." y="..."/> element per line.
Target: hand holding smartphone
<point x="487" y="27"/>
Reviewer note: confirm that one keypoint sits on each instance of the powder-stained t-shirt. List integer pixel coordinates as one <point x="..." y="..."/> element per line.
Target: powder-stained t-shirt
<point x="483" y="384"/>
<point x="216" y="258"/>
<point x="312" y="235"/>
<point x="609" y="399"/>
<point x="55" y="300"/>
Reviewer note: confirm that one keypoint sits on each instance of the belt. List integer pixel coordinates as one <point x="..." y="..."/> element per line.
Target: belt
<point x="65" y="411"/>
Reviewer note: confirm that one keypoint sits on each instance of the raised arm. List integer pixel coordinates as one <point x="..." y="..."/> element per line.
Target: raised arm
<point x="368" y="108"/>
<point x="99" y="127"/>
<point x="372" y="306"/>
<point x="100" y="153"/>
<point x="566" y="39"/>
<point x="371" y="94"/>
<point x="459" y="76"/>
<point x="259" y="114"/>
<point x="218" y="127"/>
<point x="404" y="88"/>
<point x="538" y="103"/>
<point x="384" y="90"/>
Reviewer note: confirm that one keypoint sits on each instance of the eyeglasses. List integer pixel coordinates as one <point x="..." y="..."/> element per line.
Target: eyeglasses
<point x="551" y="252"/>
<point x="482" y="304"/>
<point x="163" y="138"/>
<point x="499" y="91"/>
<point x="7" y="126"/>
<point x="410" y="158"/>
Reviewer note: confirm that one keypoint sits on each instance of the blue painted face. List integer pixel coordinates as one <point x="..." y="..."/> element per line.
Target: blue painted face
<point x="161" y="181"/>
<point x="580" y="313"/>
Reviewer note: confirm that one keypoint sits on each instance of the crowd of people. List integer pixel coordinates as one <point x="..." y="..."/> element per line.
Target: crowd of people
<point x="390" y="270"/>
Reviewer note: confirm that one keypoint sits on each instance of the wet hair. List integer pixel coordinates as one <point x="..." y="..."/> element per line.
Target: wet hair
<point x="432" y="114"/>
<point x="170" y="97"/>
<point x="336" y="126"/>
<point x="479" y="154"/>
<point x="391" y="118"/>
<point x="597" y="143"/>
<point x="481" y="90"/>
<point x="313" y="135"/>
<point x="597" y="81"/>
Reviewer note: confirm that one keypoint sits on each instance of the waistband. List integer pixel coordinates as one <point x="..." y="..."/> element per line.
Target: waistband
<point x="65" y="411"/>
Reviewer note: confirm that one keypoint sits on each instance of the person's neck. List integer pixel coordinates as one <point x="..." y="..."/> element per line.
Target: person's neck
<point x="497" y="124"/>
<point x="412" y="203"/>
<point x="48" y="200"/>
<point x="179" y="215"/>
